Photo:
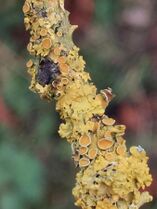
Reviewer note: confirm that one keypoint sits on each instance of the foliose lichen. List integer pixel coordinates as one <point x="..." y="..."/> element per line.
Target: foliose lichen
<point x="110" y="176"/>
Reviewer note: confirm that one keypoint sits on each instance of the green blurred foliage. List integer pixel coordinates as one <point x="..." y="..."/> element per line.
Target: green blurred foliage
<point x="106" y="11"/>
<point x="21" y="179"/>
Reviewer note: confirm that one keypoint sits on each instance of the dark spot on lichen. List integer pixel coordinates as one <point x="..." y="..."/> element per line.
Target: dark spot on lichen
<point x="63" y="53"/>
<point x="47" y="72"/>
<point x="56" y="27"/>
<point x="42" y="13"/>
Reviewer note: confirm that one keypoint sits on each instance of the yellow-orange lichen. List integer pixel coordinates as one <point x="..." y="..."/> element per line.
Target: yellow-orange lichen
<point x="64" y="68"/>
<point x="83" y="150"/>
<point x="121" y="149"/>
<point x="46" y="43"/>
<point x="64" y="81"/>
<point x="110" y="176"/>
<point x="109" y="156"/>
<point x="102" y="101"/>
<point x="85" y="141"/>
<point x="95" y="126"/>
<point x="57" y="51"/>
<point x="92" y="153"/>
<point x="26" y="7"/>
<point x="43" y="32"/>
<point x="59" y="33"/>
<point x="61" y="60"/>
<point x="108" y="121"/>
<point x="84" y="162"/>
<point x="29" y="64"/>
<point x="104" y="144"/>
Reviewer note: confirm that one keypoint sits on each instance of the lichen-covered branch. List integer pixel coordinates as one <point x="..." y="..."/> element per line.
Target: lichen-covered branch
<point x="110" y="176"/>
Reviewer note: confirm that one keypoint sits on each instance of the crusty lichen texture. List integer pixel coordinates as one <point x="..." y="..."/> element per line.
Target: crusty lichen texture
<point x="110" y="176"/>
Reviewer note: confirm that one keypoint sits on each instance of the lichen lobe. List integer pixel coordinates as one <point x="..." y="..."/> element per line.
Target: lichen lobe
<point x="110" y="176"/>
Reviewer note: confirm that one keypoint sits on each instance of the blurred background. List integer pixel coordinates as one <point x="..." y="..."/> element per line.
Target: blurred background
<point x="118" y="39"/>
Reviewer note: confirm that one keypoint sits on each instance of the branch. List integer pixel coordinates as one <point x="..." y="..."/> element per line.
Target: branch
<point x="110" y="176"/>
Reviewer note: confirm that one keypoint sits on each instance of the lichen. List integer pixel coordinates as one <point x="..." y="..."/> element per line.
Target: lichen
<point x="110" y="176"/>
